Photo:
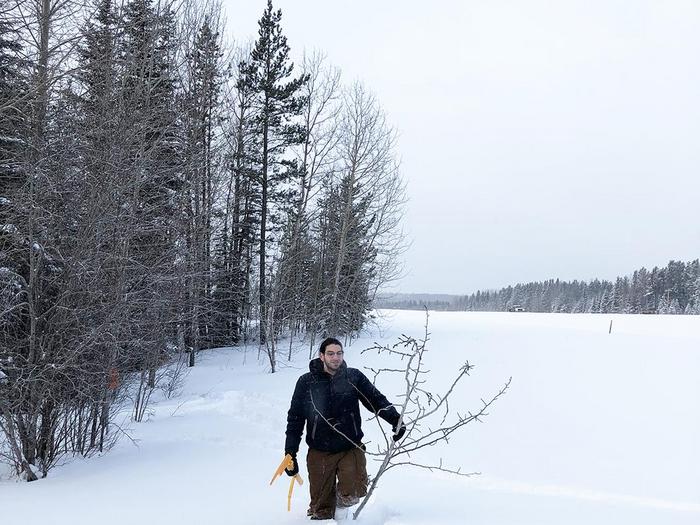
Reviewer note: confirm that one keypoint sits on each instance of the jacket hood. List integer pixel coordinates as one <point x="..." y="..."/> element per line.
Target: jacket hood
<point x="316" y="366"/>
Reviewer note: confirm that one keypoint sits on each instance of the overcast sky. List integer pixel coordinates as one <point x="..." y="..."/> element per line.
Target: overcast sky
<point x="538" y="139"/>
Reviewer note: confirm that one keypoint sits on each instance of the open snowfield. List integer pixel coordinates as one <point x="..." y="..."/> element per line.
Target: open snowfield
<point x="596" y="428"/>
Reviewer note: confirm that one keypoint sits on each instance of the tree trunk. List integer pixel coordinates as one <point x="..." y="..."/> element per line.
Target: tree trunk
<point x="263" y="227"/>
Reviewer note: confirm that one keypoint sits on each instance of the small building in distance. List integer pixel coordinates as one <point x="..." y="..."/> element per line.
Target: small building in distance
<point x="516" y="308"/>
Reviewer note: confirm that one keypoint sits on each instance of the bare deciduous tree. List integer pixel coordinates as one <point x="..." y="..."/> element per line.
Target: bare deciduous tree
<point x="428" y="417"/>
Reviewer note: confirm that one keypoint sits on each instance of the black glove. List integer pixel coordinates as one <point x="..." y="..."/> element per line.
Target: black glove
<point x="295" y="467"/>
<point x="398" y="434"/>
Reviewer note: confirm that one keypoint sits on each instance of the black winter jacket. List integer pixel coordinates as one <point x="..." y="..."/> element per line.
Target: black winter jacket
<point x="321" y="400"/>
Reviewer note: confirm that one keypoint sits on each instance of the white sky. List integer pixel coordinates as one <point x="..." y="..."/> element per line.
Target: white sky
<point x="539" y="139"/>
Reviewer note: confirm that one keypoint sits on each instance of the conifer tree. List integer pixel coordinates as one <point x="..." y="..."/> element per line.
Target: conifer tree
<point x="13" y="108"/>
<point x="200" y="121"/>
<point x="268" y="75"/>
<point x="242" y="218"/>
<point x="349" y="259"/>
<point x="14" y="127"/>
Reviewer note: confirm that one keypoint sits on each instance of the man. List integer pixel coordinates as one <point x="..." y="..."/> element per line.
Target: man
<point x="327" y="399"/>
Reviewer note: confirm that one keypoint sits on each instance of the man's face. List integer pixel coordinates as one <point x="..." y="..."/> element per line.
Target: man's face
<point x="332" y="358"/>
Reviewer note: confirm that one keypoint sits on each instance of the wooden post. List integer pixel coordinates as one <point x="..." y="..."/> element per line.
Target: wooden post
<point x="610" y="329"/>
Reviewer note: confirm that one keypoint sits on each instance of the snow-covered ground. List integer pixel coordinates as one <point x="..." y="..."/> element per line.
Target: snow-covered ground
<point x="596" y="428"/>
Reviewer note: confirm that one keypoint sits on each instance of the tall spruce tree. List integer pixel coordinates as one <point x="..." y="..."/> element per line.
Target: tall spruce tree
<point x="242" y="222"/>
<point x="267" y="74"/>
<point x="152" y="174"/>
<point x="200" y="116"/>
<point x="13" y="108"/>
<point x="351" y="257"/>
<point x="14" y="128"/>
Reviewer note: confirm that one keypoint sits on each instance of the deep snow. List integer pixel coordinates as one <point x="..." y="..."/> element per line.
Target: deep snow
<point x="596" y="428"/>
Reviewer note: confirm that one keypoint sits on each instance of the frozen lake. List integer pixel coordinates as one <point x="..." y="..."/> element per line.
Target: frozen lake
<point x="595" y="428"/>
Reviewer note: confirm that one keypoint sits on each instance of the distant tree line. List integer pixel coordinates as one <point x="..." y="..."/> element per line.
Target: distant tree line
<point x="415" y="301"/>
<point x="161" y="192"/>
<point x="674" y="289"/>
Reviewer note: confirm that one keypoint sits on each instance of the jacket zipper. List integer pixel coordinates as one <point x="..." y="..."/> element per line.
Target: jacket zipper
<point x="313" y="430"/>
<point x="353" y="423"/>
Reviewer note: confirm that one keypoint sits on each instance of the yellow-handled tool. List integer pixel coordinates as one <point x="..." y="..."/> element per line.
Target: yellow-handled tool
<point x="287" y="462"/>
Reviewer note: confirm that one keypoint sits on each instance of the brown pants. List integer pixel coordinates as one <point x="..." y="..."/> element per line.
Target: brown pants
<point x="350" y="470"/>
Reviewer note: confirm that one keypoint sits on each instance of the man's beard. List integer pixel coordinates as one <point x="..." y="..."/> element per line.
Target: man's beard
<point x="333" y="366"/>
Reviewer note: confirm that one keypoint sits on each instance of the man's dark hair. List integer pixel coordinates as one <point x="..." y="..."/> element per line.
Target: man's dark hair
<point x="329" y="341"/>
